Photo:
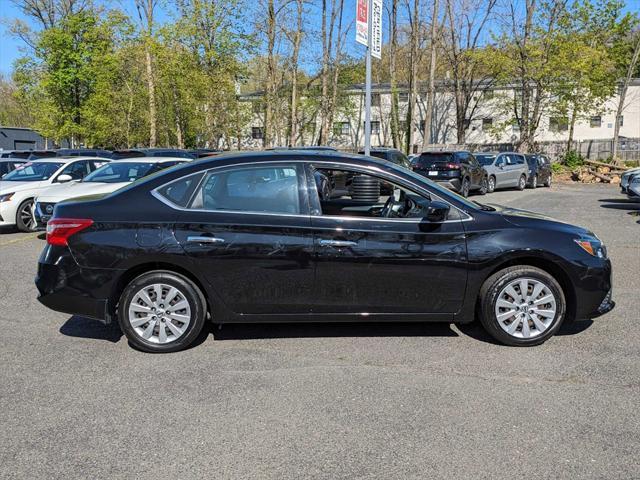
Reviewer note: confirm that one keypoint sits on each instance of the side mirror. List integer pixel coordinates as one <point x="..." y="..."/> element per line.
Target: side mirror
<point x="64" y="178"/>
<point x="437" y="211"/>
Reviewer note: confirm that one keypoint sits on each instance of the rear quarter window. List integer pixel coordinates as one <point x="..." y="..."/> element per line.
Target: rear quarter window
<point x="179" y="191"/>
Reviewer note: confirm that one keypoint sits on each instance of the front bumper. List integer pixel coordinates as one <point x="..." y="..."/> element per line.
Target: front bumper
<point x="594" y="290"/>
<point x="65" y="287"/>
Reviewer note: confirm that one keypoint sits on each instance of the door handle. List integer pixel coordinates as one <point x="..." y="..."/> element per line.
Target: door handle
<point x="337" y="243"/>
<point x="202" y="239"/>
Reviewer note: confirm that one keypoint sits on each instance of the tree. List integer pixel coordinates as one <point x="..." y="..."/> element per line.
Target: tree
<point x="293" y="102"/>
<point x="414" y="39"/>
<point x="393" y="49"/>
<point x="431" y="89"/>
<point x="146" y="14"/>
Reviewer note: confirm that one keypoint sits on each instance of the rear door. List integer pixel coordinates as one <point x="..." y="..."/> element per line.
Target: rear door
<point x="247" y="229"/>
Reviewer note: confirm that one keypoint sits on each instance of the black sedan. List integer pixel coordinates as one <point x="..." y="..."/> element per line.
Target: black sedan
<point x="248" y="238"/>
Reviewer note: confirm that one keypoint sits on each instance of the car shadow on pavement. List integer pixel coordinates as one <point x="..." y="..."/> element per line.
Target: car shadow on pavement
<point x="620" y="204"/>
<point x="477" y="332"/>
<point x="83" y="327"/>
<point x="254" y="331"/>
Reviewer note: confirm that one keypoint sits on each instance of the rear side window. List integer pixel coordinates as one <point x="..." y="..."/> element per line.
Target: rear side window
<point x="180" y="191"/>
<point x="273" y="189"/>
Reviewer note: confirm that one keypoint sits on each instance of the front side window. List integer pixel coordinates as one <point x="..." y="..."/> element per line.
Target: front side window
<point x="33" y="172"/>
<point x="120" y="172"/>
<point x="77" y="170"/>
<point x="271" y="189"/>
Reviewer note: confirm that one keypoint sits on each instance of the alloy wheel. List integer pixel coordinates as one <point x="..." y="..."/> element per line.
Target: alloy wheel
<point x="534" y="182"/>
<point x="523" y="183"/>
<point x="492" y="184"/>
<point x="525" y="308"/>
<point x="159" y="313"/>
<point x="27" y="216"/>
<point x="465" y="188"/>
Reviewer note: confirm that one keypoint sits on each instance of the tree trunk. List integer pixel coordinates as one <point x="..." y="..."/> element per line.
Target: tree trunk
<point x="336" y="70"/>
<point x="293" y="108"/>
<point x="151" y="86"/>
<point x="393" y="47"/>
<point x="431" y="89"/>
<point x="623" y="94"/>
<point x="572" y="125"/>
<point x="271" y="73"/>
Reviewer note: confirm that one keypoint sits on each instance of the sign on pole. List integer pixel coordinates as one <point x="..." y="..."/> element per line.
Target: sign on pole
<point x="362" y="22"/>
<point x="376" y="29"/>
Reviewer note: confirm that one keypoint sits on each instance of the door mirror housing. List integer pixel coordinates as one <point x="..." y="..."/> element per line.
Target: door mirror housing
<point x="437" y="211"/>
<point x="64" y="178"/>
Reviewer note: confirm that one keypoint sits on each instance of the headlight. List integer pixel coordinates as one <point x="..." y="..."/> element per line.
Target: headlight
<point x="5" y="197"/>
<point x="592" y="246"/>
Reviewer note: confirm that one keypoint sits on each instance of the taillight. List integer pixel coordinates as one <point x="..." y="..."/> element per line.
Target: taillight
<point x="452" y="166"/>
<point x="60" y="229"/>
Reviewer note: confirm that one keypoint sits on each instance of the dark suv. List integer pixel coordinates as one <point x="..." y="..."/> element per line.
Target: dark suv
<point x="390" y="154"/>
<point x="459" y="171"/>
<point x="539" y="170"/>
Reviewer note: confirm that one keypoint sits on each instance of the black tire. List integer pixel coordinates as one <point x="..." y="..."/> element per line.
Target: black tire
<point x="465" y="187"/>
<point x="186" y="288"/>
<point x="484" y="186"/>
<point x="25" y="226"/>
<point x="522" y="183"/>
<point x="534" y="182"/>
<point x="548" y="182"/>
<point x="491" y="187"/>
<point x="489" y="296"/>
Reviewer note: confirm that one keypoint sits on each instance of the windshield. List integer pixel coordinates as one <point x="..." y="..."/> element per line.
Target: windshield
<point x="485" y="160"/>
<point x="33" y="172"/>
<point x="443" y="191"/>
<point x="120" y="172"/>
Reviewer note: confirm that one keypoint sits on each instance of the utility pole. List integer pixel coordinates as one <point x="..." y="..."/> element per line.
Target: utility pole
<point x="367" y="85"/>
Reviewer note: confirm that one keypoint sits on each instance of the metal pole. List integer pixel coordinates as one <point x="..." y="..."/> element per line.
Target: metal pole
<point x="367" y="85"/>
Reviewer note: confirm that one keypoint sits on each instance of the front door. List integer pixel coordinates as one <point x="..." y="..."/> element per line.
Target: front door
<point x="247" y="230"/>
<point x="368" y="264"/>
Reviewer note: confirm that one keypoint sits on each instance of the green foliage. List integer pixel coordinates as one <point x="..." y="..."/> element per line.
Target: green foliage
<point x="558" y="168"/>
<point x="572" y="159"/>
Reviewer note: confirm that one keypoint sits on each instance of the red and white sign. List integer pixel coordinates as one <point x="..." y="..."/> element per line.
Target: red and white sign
<point x="376" y="29"/>
<point x="362" y="20"/>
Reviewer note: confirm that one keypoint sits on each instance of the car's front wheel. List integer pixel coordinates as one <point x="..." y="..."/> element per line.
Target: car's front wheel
<point x="522" y="183"/>
<point x="25" y="217"/>
<point x="484" y="186"/>
<point x="522" y="306"/>
<point x="465" y="187"/>
<point x="161" y="311"/>
<point x="492" y="184"/>
<point x="534" y="181"/>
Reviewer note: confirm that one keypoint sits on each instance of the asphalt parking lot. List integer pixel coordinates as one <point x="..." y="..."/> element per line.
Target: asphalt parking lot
<point x="328" y="401"/>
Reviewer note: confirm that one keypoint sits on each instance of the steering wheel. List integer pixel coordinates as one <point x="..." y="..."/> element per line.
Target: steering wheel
<point x="387" y="210"/>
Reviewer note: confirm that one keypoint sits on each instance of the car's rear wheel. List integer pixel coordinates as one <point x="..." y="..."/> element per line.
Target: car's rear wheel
<point x="522" y="306"/>
<point x="492" y="184"/>
<point x="484" y="186"/>
<point x="522" y="183"/>
<point x="161" y="311"/>
<point x="534" y="181"/>
<point x="548" y="182"/>
<point x="25" y="217"/>
<point x="465" y="187"/>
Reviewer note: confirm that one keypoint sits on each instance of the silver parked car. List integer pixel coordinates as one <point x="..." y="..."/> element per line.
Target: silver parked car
<point x="633" y="187"/>
<point x="504" y="169"/>
<point x="626" y="177"/>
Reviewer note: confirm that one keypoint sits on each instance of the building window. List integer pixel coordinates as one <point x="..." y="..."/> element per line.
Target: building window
<point x="257" y="133"/>
<point x="402" y="126"/>
<point x="256" y="107"/>
<point x="375" y="127"/>
<point x="487" y="123"/>
<point x="595" y="121"/>
<point x="403" y="97"/>
<point x="487" y="94"/>
<point x="621" y="120"/>
<point x="375" y="99"/>
<point x="558" y="124"/>
<point x="466" y="123"/>
<point x="341" y="128"/>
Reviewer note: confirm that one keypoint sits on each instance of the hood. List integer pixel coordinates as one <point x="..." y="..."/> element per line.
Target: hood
<point x="6" y="187"/>
<point x="69" y="191"/>
<point x="525" y="218"/>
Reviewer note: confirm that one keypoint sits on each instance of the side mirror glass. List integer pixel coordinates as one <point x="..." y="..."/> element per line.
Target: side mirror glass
<point x="437" y="211"/>
<point x="64" y="178"/>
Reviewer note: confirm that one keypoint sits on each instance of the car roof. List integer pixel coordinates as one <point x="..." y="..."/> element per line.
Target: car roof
<point x="151" y="160"/>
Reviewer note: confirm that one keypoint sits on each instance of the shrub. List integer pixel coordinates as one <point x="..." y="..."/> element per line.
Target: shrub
<point x="557" y="168"/>
<point x="572" y="159"/>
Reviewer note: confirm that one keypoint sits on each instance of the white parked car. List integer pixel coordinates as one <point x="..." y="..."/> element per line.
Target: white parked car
<point x="104" y="180"/>
<point x="19" y="187"/>
<point x="626" y="178"/>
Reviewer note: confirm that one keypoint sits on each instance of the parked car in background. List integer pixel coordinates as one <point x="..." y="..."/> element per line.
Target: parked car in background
<point x="204" y="152"/>
<point x="540" y="172"/>
<point x="389" y="154"/>
<point x="83" y="152"/>
<point x="9" y="164"/>
<point x="504" y="169"/>
<point x="19" y="188"/>
<point x="29" y="154"/>
<point x="105" y="179"/>
<point x="151" y="152"/>
<point x="458" y="171"/>
<point x="626" y="178"/>
<point x="633" y="188"/>
<point x="247" y="238"/>
<point x="319" y="148"/>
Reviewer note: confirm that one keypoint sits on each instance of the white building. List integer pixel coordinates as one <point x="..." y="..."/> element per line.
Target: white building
<point x="490" y="124"/>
